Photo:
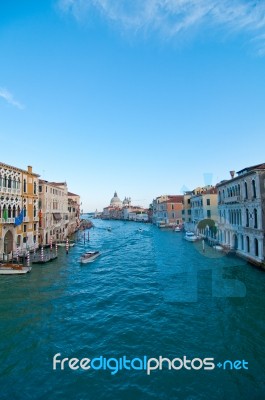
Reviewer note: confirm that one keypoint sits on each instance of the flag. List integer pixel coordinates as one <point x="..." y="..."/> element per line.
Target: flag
<point x="5" y="216"/>
<point x="19" y="219"/>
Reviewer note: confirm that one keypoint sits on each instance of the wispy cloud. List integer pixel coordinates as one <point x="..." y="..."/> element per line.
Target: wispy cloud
<point x="171" y="17"/>
<point x="7" y="96"/>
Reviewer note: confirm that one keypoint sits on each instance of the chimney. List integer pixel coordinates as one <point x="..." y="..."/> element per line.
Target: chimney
<point x="232" y="173"/>
<point x="29" y="169"/>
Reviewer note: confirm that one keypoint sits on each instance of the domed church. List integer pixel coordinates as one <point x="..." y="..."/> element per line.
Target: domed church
<point x="115" y="201"/>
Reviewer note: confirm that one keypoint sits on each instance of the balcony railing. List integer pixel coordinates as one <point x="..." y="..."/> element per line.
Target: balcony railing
<point x="10" y="190"/>
<point x="233" y="199"/>
<point x="7" y="221"/>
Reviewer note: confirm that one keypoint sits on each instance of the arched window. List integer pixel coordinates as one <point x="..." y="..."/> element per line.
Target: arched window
<point x="233" y="191"/>
<point x="18" y="184"/>
<point x="5" y="181"/>
<point x="18" y="211"/>
<point x="0" y="180"/>
<point x="229" y="216"/>
<point x="14" y="212"/>
<point x="9" y="212"/>
<point x="247" y="218"/>
<point x="35" y="188"/>
<point x="238" y="188"/>
<point x="255" y="218"/>
<point x="246" y="190"/>
<point x="34" y="212"/>
<point x="219" y="196"/>
<point x="247" y="241"/>
<point x="254" y="193"/>
<point x="242" y="242"/>
<point x="9" y="182"/>
<point x="256" y="243"/>
<point x="223" y="194"/>
<point x="224" y="216"/>
<point x="25" y="211"/>
<point x="240" y="217"/>
<point x="24" y="185"/>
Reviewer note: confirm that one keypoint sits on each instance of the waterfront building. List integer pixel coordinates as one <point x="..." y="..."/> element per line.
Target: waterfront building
<point x="18" y="210"/>
<point x="73" y="212"/>
<point x="241" y="221"/>
<point x="53" y="205"/>
<point x="167" y="209"/>
<point x="204" y="205"/>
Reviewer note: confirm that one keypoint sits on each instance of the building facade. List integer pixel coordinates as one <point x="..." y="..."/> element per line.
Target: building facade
<point x="53" y="214"/>
<point x="19" y="213"/>
<point x="241" y="221"/>
<point x="73" y="212"/>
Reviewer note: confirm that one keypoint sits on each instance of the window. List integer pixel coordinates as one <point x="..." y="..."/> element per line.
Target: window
<point x="24" y="185"/>
<point x="208" y="202"/>
<point x="246" y="190"/>
<point x="35" y="188"/>
<point x="248" y="246"/>
<point x="9" y="211"/>
<point x="254" y="194"/>
<point x="14" y="212"/>
<point x="256" y="247"/>
<point x="35" y="227"/>
<point x="208" y="213"/>
<point x="40" y="188"/>
<point x="255" y="218"/>
<point x="24" y="228"/>
<point x="172" y="206"/>
<point x="34" y="212"/>
<point x="25" y="211"/>
<point x="247" y="218"/>
<point x="9" y="182"/>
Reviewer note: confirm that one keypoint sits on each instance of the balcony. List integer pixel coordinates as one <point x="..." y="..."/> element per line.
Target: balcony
<point x="233" y="199"/>
<point x="7" y="221"/>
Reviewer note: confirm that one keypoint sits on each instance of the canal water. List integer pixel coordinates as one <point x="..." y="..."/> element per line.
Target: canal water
<point x="149" y="294"/>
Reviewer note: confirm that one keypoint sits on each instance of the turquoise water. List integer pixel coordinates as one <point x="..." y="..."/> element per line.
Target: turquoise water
<point x="151" y="294"/>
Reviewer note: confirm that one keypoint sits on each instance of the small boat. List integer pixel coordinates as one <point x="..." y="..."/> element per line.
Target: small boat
<point x="12" y="269"/>
<point x="177" y="229"/>
<point x="62" y="243"/>
<point x="218" y="248"/>
<point x="191" y="237"/>
<point x="89" y="256"/>
<point x="37" y="259"/>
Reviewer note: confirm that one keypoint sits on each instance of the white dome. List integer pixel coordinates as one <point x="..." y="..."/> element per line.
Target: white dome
<point x="115" y="201"/>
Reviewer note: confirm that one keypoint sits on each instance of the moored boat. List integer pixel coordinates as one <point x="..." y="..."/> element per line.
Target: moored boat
<point x="191" y="237"/>
<point x="62" y="243"/>
<point x="177" y="229"/>
<point x="89" y="256"/>
<point x="12" y="269"/>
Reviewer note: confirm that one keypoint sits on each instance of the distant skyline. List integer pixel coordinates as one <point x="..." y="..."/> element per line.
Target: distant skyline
<point x="146" y="97"/>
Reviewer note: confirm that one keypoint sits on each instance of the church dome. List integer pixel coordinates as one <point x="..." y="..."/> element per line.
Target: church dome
<point x="115" y="201"/>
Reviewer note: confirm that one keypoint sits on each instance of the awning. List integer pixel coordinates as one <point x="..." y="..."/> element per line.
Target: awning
<point x="57" y="216"/>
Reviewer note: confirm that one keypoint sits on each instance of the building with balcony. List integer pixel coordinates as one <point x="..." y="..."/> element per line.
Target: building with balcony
<point x="204" y="205"/>
<point x="167" y="209"/>
<point x="53" y="214"/>
<point x="19" y="213"/>
<point x="73" y="212"/>
<point x="241" y="220"/>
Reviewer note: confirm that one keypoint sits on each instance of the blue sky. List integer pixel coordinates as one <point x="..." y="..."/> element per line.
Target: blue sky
<point x="143" y="97"/>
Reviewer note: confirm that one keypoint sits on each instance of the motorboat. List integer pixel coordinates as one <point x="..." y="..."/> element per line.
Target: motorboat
<point x="191" y="237"/>
<point x="89" y="257"/>
<point x="13" y="269"/>
<point x="177" y="229"/>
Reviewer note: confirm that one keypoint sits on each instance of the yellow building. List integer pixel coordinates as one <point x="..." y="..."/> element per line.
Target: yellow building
<point x="18" y="210"/>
